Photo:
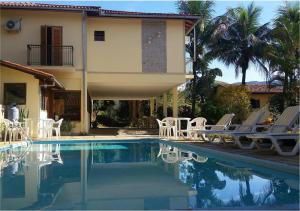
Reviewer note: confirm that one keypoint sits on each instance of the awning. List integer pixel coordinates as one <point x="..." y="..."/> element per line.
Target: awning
<point x="41" y="75"/>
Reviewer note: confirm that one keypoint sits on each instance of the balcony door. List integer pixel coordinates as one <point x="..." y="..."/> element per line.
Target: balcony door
<point x="51" y="45"/>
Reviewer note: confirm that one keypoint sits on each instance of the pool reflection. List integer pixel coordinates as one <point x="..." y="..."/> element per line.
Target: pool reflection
<point x="137" y="176"/>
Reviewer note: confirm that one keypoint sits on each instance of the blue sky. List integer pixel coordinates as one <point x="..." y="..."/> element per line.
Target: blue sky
<point x="269" y="9"/>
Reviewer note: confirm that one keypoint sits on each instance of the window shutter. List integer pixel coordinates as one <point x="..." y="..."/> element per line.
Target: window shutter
<point x="43" y="48"/>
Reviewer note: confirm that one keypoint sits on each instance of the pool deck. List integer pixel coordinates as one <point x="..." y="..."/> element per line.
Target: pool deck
<point x="228" y="148"/>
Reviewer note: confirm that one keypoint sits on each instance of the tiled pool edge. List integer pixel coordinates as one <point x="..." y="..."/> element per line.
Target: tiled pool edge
<point x="251" y="160"/>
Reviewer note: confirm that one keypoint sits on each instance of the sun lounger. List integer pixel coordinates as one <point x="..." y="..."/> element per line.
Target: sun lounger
<point x="213" y="130"/>
<point x="246" y="127"/>
<point x="277" y="141"/>
<point x="285" y="121"/>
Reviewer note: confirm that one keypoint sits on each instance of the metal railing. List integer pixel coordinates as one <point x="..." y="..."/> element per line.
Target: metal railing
<point x="50" y="55"/>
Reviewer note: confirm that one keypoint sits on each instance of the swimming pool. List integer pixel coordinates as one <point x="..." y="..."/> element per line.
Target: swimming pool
<point x="143" y="174"/>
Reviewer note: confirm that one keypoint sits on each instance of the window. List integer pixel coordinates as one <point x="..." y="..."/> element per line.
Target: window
<point x="15" y="93"/>
<point x="67" y="105"/>
<point x="99" y="36"/>
<point x="255" y="103"/>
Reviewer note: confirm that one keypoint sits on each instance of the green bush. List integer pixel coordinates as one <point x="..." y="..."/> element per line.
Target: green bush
<point x="145" y="123"/>
<point x="211" y="111"/>
<point x="235" y="99"/>
<point x="67" y="126"/>
<point x="277" y="103"/>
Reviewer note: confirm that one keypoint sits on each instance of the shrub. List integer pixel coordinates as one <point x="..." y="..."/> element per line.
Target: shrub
<point x="145" y="123"/>
<point x="185" y="111"/>
<point x="212" y="112"/>
<point x="67" y="126"/>
<point x="277" y="103"/>
<point x="235" y="99"/>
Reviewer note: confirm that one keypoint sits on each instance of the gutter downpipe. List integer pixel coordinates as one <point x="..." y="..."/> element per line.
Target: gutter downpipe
<point x="84" y="71"/>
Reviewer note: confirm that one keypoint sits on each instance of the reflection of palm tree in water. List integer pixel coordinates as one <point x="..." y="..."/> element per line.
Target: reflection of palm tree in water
<point x="243" y="175"/>
<point x="246" y="196"/>
<point x="205" y="180"/>
<point x="283" y="193"/>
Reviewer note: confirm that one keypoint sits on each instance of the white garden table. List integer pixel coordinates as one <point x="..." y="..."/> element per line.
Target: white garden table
<point x="178" y="122"/>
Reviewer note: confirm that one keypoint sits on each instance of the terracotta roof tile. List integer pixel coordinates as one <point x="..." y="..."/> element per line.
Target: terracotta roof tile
<point x="31" y="5"/>
<point x="119" y="12"/>
<point x="35" y="72"/>
<point x="264" y="88"/>
<point x="256" y="88"/>
<point x="95" y="11"/>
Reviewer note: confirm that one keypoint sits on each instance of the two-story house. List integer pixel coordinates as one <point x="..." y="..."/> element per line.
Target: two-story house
<point x="58" y="58"/>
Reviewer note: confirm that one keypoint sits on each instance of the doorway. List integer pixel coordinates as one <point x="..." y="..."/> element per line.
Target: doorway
<point x="51" y="45"/>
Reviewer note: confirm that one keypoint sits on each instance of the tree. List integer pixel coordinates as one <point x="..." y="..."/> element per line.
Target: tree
<point x="239" y="39"/>
<point x="235" y="99"/>
<point x="202" y="58"/>
<point x="283" y="53"/>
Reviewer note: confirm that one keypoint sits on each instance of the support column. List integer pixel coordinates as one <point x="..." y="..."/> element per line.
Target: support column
<point x="92" y="112"/>
<point x="156" y="104"/>
<point x="151" y="106"/>
<point x="85" y="126"/>
<point x="165" y="104"/>
<point x="134" y="110"/>
<point x="175" y="103"/>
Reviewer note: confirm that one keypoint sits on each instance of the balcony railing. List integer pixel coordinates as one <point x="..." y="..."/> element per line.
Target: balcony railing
<point x="50" y="55"/>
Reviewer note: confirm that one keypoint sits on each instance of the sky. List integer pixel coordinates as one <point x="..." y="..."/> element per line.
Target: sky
<point x="269" y="9"/>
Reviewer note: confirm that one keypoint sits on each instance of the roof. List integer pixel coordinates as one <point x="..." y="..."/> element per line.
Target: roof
<point x="264" y="89"/>
<point x="35" y="72"/>
<point x="257" y="88"/>
<point x="32" y="5"/>
<point x="190" y="20"/>
<point x="94" y="11"/>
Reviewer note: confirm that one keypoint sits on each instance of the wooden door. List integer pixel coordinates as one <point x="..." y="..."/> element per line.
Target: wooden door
<point x="57" y="51"/>
<point x="43" y="45"/>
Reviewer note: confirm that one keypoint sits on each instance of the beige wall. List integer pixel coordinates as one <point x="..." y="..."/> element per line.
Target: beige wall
<point x="14" y="44"/>
<point x="263" y="98"/>
<point x="32" y="89"/>
<point x="122" y="49"/>
<point x="72" y="81"/>
<point x="175" y="46"/>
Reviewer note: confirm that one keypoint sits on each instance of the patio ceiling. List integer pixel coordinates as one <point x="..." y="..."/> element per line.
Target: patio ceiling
<point x="131" y="86"/>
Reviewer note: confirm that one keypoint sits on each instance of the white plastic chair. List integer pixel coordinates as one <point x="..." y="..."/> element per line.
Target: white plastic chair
<point x="56" y="127"/>
<point x="9" y="130"/>
<point x="171" y="127"/>
<point x="162" y="128"/>
<point x="194" y="126"/>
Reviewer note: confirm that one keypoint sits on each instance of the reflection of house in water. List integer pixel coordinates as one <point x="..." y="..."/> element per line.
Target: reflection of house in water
<point x="123" y="176"/>
<point x="107" y="176"/>
<point x="21" y="188"/>
<point x="127" y="176"/>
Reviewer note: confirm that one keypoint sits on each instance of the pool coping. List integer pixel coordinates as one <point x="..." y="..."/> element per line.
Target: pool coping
<point x="187" y="146"/>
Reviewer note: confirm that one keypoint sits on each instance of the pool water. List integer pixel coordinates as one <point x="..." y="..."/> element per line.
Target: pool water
<point x="131" y="175"/>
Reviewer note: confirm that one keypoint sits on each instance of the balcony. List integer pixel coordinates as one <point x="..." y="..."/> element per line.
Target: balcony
<point x="50" y="55"/>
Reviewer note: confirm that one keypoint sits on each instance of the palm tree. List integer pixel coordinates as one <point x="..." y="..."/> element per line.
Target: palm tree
<point x="283" y="54"/>
<point x="201" y="59"/>
<point x="240" y="40"/>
